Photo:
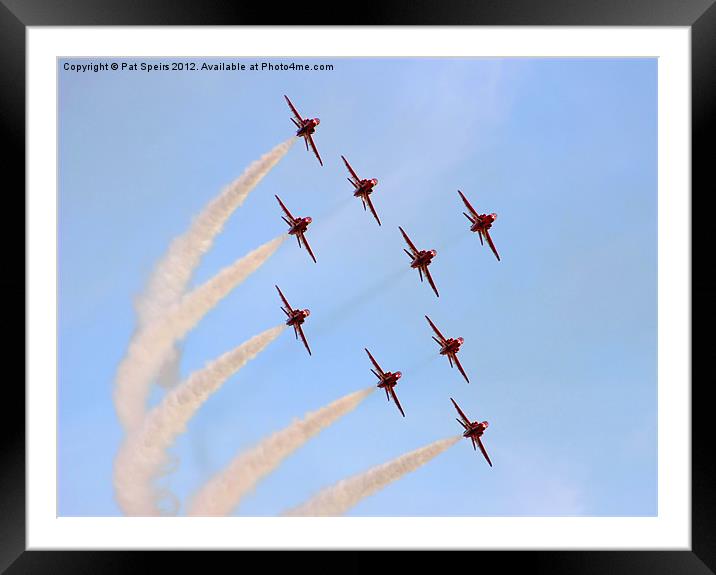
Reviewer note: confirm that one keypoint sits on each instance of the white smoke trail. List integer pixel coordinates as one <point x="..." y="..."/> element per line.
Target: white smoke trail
<point x="340" y="497"/>
<point x="170" y="372"/>
<point x="143" y="457"/>
<point x="151" y="345"/>
<point x="169" y="280"/>
<point x="225" y="490"/>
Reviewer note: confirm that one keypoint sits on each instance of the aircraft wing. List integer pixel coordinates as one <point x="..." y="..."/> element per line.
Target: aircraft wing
<point x="353" y="174"/>
<point x="375" y="363"/>
<point x="308" y="247"/>
<point x="283" y="298"/>
<point x="395" y="399"/>
<point x="309" y="138"/>
<point x="484" y="452"/>
<point x="285" y="210"/>
<point x="436" y="330"/>
<point x="410" y="244"/>
<point x="459" y="367"/>
<point x="430" y="281"/>
<point x="472" y="210"/>
<point x="372" y="209"/>
<point x="299" y="329"/>
<point x="462" y="415"/>
<point x="294" y="110"/>
<point x="492" y="246"/>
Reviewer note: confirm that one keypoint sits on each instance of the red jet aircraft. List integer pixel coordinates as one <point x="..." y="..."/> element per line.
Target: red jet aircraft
<point x="363" y="189"/>
<point x="306" y="127"/>
<point x="481" y="223"/>
<point x="420" y="260"/>
<point x="449" y="347"/>
<point x="388" y="380"/>
<point x="473" y="430"/>
<point x="296" y="317"/>
<point x="297" y="227"/>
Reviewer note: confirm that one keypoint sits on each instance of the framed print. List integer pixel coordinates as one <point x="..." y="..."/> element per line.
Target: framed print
<point x="478" y="337"/>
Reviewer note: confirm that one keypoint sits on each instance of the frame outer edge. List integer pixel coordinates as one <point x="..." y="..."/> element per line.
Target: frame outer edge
<point x="12" y="429"/>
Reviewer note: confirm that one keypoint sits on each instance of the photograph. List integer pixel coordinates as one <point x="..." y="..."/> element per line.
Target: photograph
<point x="357" y="286"/>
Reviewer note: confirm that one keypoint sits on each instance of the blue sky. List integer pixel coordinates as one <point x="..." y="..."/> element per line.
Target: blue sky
<point x="560" y="336"/>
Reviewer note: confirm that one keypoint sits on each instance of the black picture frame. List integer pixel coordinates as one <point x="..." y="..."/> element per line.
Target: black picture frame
<point x="699" y="15"/>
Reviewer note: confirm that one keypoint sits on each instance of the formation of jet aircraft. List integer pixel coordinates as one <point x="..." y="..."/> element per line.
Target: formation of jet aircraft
<point x="296" y="317"/>
<point x="363" y="188"/>
<point x="449" y="347"/>
<point x="306" y="128"/>
<point x="473" y="430"/>
<point x="297" y="227"/>
<point x="419" y="260"/>
<point x="481" y="224"/>
<point x="388" y="381"/>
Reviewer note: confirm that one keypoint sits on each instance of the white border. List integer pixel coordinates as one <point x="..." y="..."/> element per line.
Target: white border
<point x="670" y="530"/>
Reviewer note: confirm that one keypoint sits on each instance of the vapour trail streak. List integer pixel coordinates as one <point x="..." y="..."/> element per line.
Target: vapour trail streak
<point x="143" y="457"/>
<point x="346" y="309"/>
<point x="151" y="345"/>
<point x="224" y="491"/>
<point x="169" y="280"/>
<point x="350" y="306"/>
<point x="340" y="497"/>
